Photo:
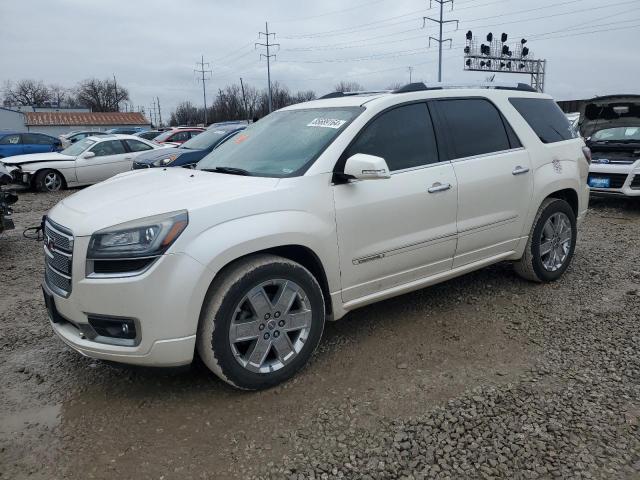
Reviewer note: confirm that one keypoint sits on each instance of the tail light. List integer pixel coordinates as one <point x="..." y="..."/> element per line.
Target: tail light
<point x="586" y="151"/>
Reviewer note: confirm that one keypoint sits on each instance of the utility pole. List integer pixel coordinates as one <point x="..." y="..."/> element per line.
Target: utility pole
<point x="244" y="100"/>
<point x="115" y="88"/>
<point x="203" y="71"/>
<point x="440" y="23"/>
<point x="268" y="56"/>
<point x="159" y="113"/>
<point x="152" y="113"/>
<point x="410" y="70"/>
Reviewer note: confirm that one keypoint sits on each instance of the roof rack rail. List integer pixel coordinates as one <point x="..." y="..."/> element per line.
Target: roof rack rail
<point x="350" y="94"/>
<point x="420" y="86"/>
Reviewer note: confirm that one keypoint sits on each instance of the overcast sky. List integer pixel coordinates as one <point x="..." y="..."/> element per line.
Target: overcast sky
<point x="152" y="46"/>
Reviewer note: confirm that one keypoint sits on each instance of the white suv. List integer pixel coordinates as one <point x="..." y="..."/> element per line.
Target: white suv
<point x="313" y="211"/>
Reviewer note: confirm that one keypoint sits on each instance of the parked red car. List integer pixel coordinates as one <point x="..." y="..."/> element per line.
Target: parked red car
<point x="178" y="136"/>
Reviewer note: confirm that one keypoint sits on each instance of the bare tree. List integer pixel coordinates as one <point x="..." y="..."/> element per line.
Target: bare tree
<point x="394" y="86"/>
<point x="185" y="114"/>
<point x="26" y="92"/>
<point x="229" y="104"/>
<point x="100" y="95"/>
<point x="344" y="86"/>
<point x="59" y="94"/>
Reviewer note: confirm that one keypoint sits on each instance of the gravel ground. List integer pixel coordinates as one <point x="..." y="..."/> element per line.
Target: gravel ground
<point x="480" y="377"/>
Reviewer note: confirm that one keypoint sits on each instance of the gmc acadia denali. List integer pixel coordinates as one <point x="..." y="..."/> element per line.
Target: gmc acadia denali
<point x="315" y="210"/>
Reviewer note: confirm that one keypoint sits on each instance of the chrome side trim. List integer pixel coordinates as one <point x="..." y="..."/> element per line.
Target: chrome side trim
<point x="404" y="249"/>
<point x="486" y="226"/>
<point x="490" y="154"/>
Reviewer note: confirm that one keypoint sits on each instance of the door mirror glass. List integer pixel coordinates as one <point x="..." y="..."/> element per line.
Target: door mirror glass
<point x="88" y="155"/>
<point x="366" y="167"/>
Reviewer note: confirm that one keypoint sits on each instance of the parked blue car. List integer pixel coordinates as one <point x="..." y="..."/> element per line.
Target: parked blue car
<point x="126" y="130"/>
<point x="20" y="143"/>
<point x="191" y="151"/>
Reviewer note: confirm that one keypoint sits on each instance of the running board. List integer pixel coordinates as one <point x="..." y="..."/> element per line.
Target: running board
<point x="424" y="282"/>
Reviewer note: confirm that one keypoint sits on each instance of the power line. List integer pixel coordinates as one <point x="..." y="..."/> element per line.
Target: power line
<point x="440" y="23"/>
<point x="203" y="71"/>
<point x="268" y="56"/>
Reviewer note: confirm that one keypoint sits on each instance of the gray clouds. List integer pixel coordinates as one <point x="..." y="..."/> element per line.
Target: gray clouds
<point x="152" y="46"/>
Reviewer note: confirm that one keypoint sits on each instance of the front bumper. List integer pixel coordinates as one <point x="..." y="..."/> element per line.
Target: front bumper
<point x="623" y="179"/>
<point x="164" y="301"/>
<point x="18" y="176"/>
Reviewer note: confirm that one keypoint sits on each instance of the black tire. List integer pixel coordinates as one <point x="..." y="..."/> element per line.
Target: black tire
<point x="530" y="266"/>
<point x="221" y="306"/>
<point x="41" y="184"/>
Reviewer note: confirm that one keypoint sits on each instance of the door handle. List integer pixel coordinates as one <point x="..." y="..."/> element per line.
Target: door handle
<point x="438" y="187"/>
<point x="128" y="158"/>
<point x="520" y="170"/>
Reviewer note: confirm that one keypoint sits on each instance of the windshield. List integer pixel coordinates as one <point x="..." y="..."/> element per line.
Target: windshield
<point x="206" y="139"/>
<point x="78" y="147"/>
<point x="617" y="134"/>
<point x="282" y="144"/>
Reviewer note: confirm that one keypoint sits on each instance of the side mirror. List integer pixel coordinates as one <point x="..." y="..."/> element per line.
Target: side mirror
<point x="366" y="167"/>
<point x="88" y="155"/>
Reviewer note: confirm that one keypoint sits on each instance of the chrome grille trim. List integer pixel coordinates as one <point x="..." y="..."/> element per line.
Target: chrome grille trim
<point x="58" y="249"/>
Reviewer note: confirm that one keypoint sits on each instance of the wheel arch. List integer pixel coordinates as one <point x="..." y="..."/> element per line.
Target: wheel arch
<point x="35" y="173"/>
<point x="301" y="254"/>
<point x="569" y="195"/>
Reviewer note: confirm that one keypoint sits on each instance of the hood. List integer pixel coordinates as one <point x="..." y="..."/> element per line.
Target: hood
<point x="609" y="112"/>
<point x="159" y="153"/>
<point x="142" y="193"/>
<point x="37" y="157"/>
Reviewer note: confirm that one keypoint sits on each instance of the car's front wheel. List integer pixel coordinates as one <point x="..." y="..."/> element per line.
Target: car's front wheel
<point x="262" y="319"/>
<point x="551" y="243"/>
<point x="48" y="181"/>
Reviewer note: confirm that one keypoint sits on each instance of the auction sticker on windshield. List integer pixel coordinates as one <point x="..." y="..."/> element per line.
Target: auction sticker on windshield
<point x="326" y="123"/>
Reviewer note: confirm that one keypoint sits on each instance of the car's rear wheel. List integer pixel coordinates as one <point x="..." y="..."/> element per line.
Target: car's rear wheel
<point x="262" y="320"/>
<point x="551" y="243"/>
<point x="48" y="181"/>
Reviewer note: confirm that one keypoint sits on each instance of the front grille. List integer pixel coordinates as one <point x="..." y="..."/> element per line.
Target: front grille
<point x="139" y="166"/>
<point x="635" y="182"/>
<point x="616" y="180"/>
<point x="58" y="251"/>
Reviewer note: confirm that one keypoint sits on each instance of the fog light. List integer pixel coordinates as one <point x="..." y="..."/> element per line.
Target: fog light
<point x="114" y="330"/>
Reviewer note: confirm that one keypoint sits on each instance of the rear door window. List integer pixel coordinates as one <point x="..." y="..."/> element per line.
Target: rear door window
<point x="180" y="137"/>
<point x="110" y="147"/>
<point x="545" y="118"/>
<point x="36" y="139"/>
<point x="474" y="126"/>
<point x="137" y="146"/>
<point x="403" y="136"/>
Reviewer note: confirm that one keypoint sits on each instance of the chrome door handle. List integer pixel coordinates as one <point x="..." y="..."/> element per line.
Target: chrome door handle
<point x="520" y="170"/>
<point x="128" y="158"/>
<point x="438" y="187"/>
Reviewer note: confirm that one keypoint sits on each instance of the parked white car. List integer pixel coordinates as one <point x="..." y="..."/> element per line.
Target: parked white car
<point x="611" y="126"/>
<point x="315" y="210"/>
<point x="85" y="162"/>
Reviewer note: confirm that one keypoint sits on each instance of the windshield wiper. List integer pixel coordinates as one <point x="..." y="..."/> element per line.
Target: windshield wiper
<point x="229" y="170"/>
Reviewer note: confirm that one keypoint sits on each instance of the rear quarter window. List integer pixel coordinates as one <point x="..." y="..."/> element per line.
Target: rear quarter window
<point x="545" y="118"/>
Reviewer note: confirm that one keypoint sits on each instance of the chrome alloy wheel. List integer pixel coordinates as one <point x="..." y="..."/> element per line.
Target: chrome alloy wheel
<point x="555" y="241"/>
<point x="52" y="182"/>
<point x="270" y="326"/>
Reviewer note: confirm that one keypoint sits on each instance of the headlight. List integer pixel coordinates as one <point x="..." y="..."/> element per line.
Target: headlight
<point x="147" y="237"/>
<point x="165" y="161"/>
